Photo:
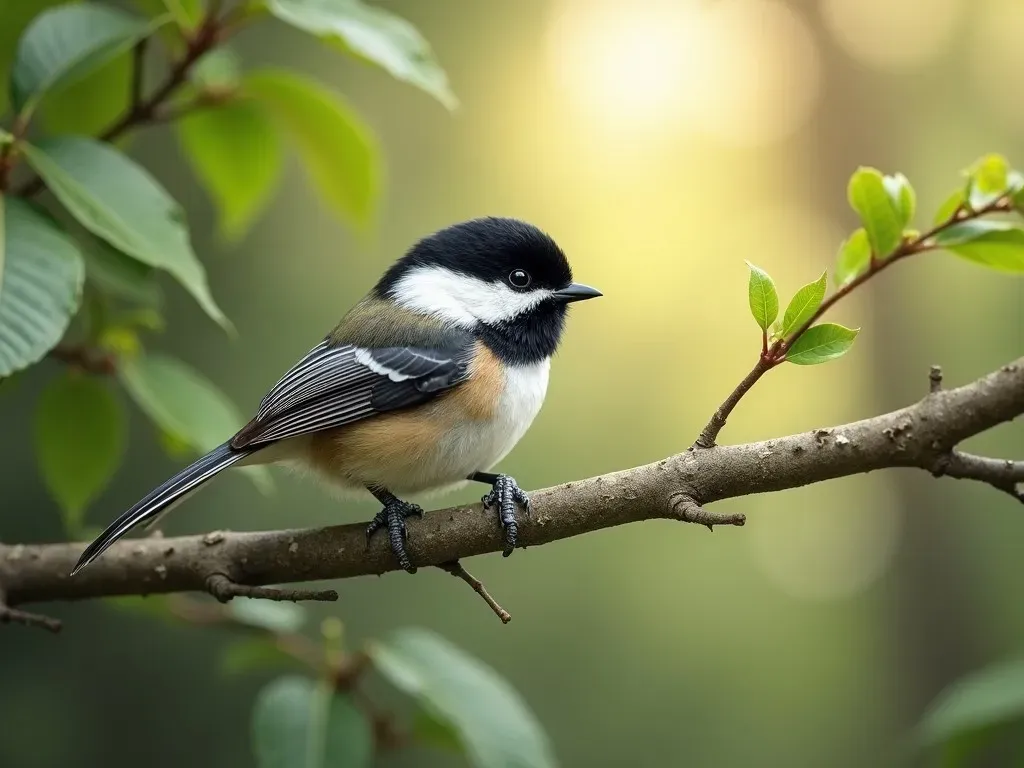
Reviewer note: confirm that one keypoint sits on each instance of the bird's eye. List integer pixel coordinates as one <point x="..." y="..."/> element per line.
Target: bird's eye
<point x="520" y="278"/>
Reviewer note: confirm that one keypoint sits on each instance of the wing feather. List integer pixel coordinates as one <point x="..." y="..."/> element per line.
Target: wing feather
<point x="334" y="385"/>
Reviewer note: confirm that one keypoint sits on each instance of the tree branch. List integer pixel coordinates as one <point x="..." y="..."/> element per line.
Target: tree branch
<point x="922" y="435"/>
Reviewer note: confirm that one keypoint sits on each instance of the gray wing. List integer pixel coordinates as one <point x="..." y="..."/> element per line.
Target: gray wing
<point x="337" y="384"/>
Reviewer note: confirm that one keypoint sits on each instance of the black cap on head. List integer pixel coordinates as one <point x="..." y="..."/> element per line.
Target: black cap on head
<point x="491" y="249"/>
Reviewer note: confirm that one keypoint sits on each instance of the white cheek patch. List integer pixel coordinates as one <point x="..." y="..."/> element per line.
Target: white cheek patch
<point x="460" y="299"/>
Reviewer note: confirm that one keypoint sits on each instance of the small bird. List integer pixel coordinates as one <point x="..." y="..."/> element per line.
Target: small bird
<point x="425" y="384"/>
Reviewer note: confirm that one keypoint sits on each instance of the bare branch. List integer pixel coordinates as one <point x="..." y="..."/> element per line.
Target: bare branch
<point x="1002" y="474"/>
<point x="224" y="589"/>
<point x="677" y="488"/>
<point x="455" y="569"/>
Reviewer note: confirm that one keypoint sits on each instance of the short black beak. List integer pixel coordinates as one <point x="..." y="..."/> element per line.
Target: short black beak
<point x="577" y="292"/>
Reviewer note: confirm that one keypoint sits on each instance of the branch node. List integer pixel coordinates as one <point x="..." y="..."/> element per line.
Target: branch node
<point x="224" y="589"/>
<point x="935" y="379"/>
<point x="455" y="569"/>
<point x="687" y="509"/>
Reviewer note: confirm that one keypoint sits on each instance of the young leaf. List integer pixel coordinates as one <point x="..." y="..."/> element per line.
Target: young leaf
<point x="902" y="196"/>
<point x="989" y="179"/>
<point x="1000" y="248"/>
<point x="338" y="151"/>
<point x="952" y="204"/>
<point x="118" y="275"/>
<point x="854" y="257"/>
<point x="803" y="304"/>
<point x="219" y="71"/>
<point x="268" y="614"/>
<point x="119" y="201"/>
<point x="80" y="440"/>
<point x="184" y="404"/>
<point x="66" y="43"/>
<point x="235" y="151"/>
<point x="373" y="34"/>
<point x="763" y="298"/>
<point x="821" y="343"/>
<point x="298" y="722"/>
<point x="494" y="724"/>
<point x="41" y="276"/>
<point x="868" y="197"/>
<point x="986" y="698"/>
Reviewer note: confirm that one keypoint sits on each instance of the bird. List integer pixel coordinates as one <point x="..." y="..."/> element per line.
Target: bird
<point x="425" y="384"/>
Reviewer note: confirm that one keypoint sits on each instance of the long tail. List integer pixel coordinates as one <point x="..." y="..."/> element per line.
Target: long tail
<point x="162" y="498"/>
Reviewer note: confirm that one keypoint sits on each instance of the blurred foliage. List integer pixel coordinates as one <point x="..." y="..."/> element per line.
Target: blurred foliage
<point x="84" y="269"/>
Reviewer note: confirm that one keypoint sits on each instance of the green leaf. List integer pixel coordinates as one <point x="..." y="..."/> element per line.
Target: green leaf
<point x="902" y="195"/>
<point x="120" y="202"/>
<point x="803" y="305"/>
<point x="268" y="614"/>
<point x="854" y="257"/>
<point x="337" y="149"/>
<point x="763" y="298"/>
<point x="184" y="404"/>
<point x="187" y="14"/>
<point x="254" y="653"/>
<point x="493" y="722"/>
<point x="870" y="199"/>
<point x="88" y="105"/>
<point x="989" y="180"/>
<point x="80" y="440"/>
<point x="373" y="34"/>
<point x="821" y="343"/>
<point x="995" y="244"/>
<point x="66" y="43"/>
<point x="118" y="275"/>
<point x="298" y="723"/>
<point x="41" y="276"/>
<point x="950" y="207"/>
<point x="236" y="153"/>
<point x="989" y="697"/>
<point x="14" y="18"/>
<point x="429" y="730"/>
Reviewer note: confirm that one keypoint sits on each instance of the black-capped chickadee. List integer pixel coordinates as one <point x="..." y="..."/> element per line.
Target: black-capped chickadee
<point x="426" y="383"/>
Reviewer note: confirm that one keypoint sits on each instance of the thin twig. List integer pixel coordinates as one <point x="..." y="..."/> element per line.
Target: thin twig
<point x="224" y="589"/>
<point x="935" y="379"/>
<point x="85" y="359"/>
<point x="10" y="615"/>
<point x="776" y="354"/>
<point x="1002" y="474"/>
<point x="456" y="569"/>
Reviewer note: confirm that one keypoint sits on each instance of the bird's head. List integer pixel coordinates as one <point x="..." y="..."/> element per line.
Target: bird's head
<point x="490" y="275"/>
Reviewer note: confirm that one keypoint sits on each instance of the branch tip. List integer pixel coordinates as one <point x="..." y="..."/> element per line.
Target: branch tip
<point x="455" y="569"/>
<point x="688" y="510"/>
<point x="224" y="589"/>
<point x="935" y="379"/>
<point x="14" y="616"/>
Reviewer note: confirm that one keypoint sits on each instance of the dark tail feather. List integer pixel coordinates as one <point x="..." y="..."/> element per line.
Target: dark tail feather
<point x="161" y="498"/>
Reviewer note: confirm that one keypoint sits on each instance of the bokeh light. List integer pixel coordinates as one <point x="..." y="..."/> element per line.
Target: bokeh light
<point x="743" y="72"/>
<point x="996" y="49"/>
<point x="891" y="35"/>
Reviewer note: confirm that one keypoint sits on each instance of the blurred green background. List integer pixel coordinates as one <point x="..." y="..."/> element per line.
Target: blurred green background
<point x="661" y="147"/>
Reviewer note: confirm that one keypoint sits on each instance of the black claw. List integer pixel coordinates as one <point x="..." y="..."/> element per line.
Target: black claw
<point x="504" y="495"/>
<point x="392" y="517"/>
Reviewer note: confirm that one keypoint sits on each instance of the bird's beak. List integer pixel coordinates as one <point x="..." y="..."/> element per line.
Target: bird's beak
<point x="577" y="292"/>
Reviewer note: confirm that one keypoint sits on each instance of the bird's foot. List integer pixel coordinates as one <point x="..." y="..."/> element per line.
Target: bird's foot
<point x="504" y="495"/>
<point x="392" y="517"/>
